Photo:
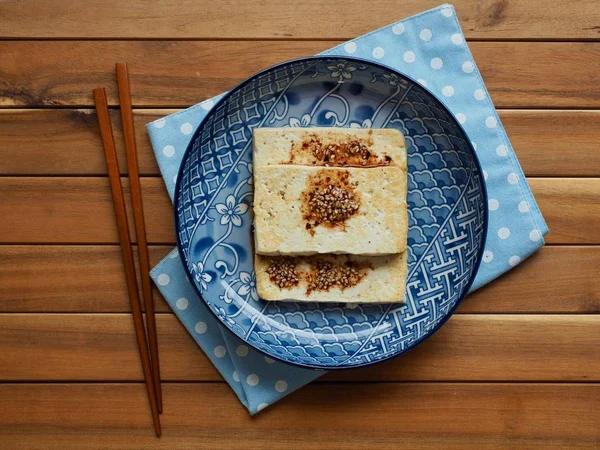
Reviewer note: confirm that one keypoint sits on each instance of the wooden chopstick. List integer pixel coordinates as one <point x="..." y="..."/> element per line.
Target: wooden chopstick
<point x="138" y="215"/>
<point x="108" y="143"/>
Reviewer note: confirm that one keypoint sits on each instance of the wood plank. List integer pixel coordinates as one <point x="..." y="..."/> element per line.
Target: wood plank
<point x="276" y="19"/>
<point x="547" y="142"/>
<point x="36" y="210"/>
<point x="554" y="143"/>
<point x="55" y="141"/>
<point x="71" y="136"/>
<point x="481" y="347"/>
<point x="168" y="73"/>
<point x="79" y="210"/>
<point x="554" y="280"/>
<point x="431" y="415"/>
<point x="52" y="279"/>
<point x="570" y="207"/>
<point x="76" y="210"/>
<point x="70" y="270"/>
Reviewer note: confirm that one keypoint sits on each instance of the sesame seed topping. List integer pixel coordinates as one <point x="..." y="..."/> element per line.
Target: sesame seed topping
<point x="282" y="272"/>
<point x="354" y="152"/>
<point x="332" y="204"/>
<point x="325" y="275"/>
<point x="330" y="199"/>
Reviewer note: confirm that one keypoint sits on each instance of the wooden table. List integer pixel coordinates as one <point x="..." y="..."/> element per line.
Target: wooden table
<point x="517" y="367"/>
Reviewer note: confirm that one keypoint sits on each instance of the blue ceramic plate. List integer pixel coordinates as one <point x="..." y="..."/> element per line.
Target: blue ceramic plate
<point x="446" y="197"/>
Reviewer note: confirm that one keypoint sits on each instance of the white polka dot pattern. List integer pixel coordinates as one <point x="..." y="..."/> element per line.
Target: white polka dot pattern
<point x="491" y="122"/>
<point x="488" y="256"/>
<point x="425" y="34"/>
<point x="523" y="206"/>
<point x="163" y="279"/>
<point x="201" y="328"/>
<point x="503" y="233"/>
<point x="186" y="128"/>
<point x="281" y="386"/>
<point x="182" y="303"/>
<point x="457" y="39"/>
<point x="448" y="91"/>
<point x="514" y="260"/>
<point x="350" y="47"/>
<point x="220" y="351"/>
<point x="437" y="63"/>
<point x="468" y="67"/>
<point x="252" y="379"/>
<point x="169" y="151"/>
<point x="535" y="235"/>
<point x="378" y="53"/>
<point x="398" y="29"/>
<point x="409" y="57"/>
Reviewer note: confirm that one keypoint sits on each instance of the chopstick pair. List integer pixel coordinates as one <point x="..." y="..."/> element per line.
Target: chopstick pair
<point x="150" y="363"/>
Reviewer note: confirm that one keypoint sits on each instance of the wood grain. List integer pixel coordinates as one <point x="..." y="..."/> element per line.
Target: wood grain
<point x="478" y="347"/>
<point x="38" y="210"/>
<point x="570" y="207"/>
<point x="489" y="19"/>
<point x="168" y="73"/>
<point x="79" y="210"/>
<point x="554" y="280"/>
<point x="452" y="416"/>
<point x="555" y="143"/>
<point x="68" y="272"/>
<point x="56" y="141"/>
<point x="76" y="210"/>
<point x="547" y="143"/>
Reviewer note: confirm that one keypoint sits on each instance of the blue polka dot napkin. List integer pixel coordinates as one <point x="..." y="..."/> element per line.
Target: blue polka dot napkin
<point x="430" y="48"/>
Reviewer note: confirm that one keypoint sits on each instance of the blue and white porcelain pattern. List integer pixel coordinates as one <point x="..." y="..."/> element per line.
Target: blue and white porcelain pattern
<point x="447" y="211"/>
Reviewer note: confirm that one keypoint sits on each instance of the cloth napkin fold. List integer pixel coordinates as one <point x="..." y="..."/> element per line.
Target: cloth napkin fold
<point x="430" y="48"/>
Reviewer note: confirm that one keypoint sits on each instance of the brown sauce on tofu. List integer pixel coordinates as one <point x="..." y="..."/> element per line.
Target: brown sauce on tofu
<point x="349" y="153"/>
<point x="324" y="275"/>
<point x="282" y="271"/>
<point x="329" y="199"/>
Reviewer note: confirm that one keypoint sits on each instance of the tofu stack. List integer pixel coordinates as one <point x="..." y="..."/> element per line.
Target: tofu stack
<point x="330" y="214"/>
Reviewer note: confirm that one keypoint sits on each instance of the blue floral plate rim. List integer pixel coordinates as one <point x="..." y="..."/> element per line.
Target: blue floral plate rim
<point x="317" y="58"/>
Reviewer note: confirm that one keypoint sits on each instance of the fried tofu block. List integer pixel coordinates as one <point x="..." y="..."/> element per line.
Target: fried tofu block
<point x="332" y="278"/>
<point x="316" y="146"/>
<point x="302" y="210"/>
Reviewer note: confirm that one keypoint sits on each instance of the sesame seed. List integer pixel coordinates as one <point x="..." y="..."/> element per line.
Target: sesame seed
<point x="346" y="153"/>
<point x="325" y="275"/>
<point x="282" y="272"/>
